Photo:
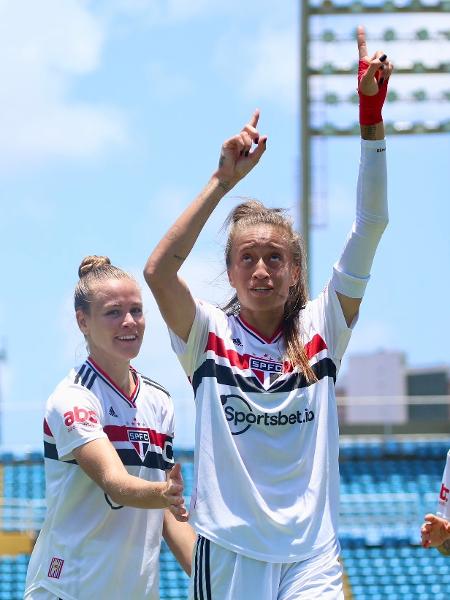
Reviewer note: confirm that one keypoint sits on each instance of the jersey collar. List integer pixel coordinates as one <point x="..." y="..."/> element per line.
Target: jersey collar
<point x="130" y="399"/>
<point x="259" y="336"/>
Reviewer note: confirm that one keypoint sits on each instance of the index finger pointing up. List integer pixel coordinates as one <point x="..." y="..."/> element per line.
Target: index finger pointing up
<point x="254" y="118"/>
<point x="361" y="37"/>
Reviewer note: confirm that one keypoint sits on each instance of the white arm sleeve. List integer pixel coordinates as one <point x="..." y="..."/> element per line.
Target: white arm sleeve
<point x="352" y="271"/>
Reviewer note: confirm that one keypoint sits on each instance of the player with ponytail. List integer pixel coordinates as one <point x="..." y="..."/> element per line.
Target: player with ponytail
<point x="265" y="500"/>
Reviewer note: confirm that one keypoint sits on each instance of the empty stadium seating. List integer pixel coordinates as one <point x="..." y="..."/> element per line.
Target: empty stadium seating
<point x="13" y="570"/>
<point x="386" y="488"/>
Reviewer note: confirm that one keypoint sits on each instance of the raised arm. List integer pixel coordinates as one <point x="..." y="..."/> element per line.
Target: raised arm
<point x="172" y="294"/>
<point x="352" y="271"/>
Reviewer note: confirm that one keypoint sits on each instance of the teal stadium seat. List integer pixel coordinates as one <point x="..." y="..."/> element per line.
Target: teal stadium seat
<point x="386" y="489"/>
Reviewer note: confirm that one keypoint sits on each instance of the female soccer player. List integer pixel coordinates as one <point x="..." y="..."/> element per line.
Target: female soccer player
<point x="108" y="434"/>
<point x="265" y="497"/>
<point x="435" y="531"/>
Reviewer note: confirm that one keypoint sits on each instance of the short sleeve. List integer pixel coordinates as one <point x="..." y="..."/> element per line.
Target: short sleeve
<point x="189" y="352"/>
<point x="74" y="416"/>
<point x="325" y="316"/>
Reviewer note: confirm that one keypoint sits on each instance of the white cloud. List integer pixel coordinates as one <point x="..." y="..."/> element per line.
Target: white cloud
<point x="167" y="85"/>
<point x="166" y="205"/>
<point x="158" y="12"/>
<point x="182" y="9"/>
<point x="44" y="47"/>
<point x="264" y="66"/>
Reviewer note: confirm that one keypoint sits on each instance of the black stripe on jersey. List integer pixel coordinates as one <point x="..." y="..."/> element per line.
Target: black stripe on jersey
<point x="86" y="376"/>
<point x="153" y="460"/>
<point x="154" y="384"/>
<point x="91" y="381"/>
<point x="226" y="376"/>
<point x="83" y="374"/>
<point x="51" y="452"/>
<point x="322" y="368"/>
<point x="80" y="373"/>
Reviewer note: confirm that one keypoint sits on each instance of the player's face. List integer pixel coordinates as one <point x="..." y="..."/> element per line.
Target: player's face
<point x="261" y="269"/>
<point x="115" y="324"/>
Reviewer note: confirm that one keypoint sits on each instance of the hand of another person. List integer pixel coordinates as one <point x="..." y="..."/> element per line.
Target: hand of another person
<point x="237" y="158"/>
<point x="174" y="494"/>
<point x="435" y="531"/>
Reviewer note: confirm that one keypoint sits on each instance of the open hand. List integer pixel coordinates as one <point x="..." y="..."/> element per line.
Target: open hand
<point x="173" y="493"/>
<point x="435" y="531"/>
<point x="237" y="157"/>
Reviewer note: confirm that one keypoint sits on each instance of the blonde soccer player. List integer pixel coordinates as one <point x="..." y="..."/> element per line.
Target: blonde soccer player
<point x="112" y="487"/>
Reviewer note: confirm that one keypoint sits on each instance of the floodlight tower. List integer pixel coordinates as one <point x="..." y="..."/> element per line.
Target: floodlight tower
<point x="310" y="131"/>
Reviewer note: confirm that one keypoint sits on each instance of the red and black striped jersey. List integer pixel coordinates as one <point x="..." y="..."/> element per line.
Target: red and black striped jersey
<point x="89" y="546"/>
<point x="266" y="474"/>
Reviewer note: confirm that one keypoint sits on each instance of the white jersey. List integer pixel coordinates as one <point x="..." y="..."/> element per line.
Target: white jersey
<point x="89" y="547"/>
<point x="266" y="479"/>
<point x="443" y="509"/>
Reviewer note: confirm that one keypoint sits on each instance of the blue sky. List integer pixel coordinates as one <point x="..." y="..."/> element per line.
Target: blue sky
<point x="112" y="116"/>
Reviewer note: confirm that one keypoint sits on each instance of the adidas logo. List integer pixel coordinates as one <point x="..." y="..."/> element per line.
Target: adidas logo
<point x="112" y="412"/>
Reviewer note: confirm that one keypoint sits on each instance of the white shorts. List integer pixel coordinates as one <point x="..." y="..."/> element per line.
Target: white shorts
<point x="219" y="574"/>
<point x="40" y="594"/>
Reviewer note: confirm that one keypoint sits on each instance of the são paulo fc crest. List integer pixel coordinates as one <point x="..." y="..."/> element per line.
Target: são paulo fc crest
<point x="140" y="440"/>
<point x="266" y="369"/>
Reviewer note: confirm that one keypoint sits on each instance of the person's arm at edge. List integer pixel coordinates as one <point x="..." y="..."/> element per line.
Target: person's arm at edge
<point x="161" y="270"/>
<point x="433" y="528"/>
<point x="100" y="461"/>
<point x="180" y="537"/>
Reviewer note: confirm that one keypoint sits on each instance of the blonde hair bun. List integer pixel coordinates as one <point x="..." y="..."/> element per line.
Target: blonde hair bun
<point x="92" y="263"/>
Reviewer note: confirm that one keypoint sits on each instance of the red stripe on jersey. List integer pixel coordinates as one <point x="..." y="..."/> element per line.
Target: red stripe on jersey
<point x="119" y="433"/>
<point x="47" y="429"/>
<point x="314" y="346"/>
<point x="217" y="345"/>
